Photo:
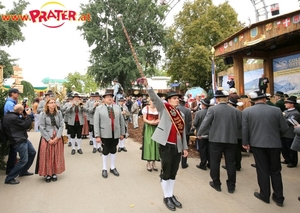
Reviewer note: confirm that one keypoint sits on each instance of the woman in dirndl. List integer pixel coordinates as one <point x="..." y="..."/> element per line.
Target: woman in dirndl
<point x="50" y="161"/>
<point x="150" y="147"/>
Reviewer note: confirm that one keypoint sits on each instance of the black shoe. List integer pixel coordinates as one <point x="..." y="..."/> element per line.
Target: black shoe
<point x="94" y="150"/>
<point x="119" y="149"/>
<point x="284" y="162"/>
<point x="26" y="174"/>
<point x="91" y="143"/>
<point x="99" y="150"/>
<point x="223" y="166"/>
<point x="217" y="188"/>
<point x="104" y="173"/>
<point x="54" y="178"/>
<point x="169" y="203"/>
<point x="124" y="149"/>
<point x="176" y="202"/>
<point x="12" y="182"/>
<point x="201" y="167"/>
<point x="115" y="172"/>
<point x="208" y="166"/>
<point x="69" y="144"/>
<point x="185" y="166"/>
<point x="48" y="179"/>
<point x="141" y="148"/>
<point x="79" y="151"/>
<point x="290" y="165"/>
<point x="73" y="152"/>
<point x="257" y="195"/>
<point x="253" y="165"/>
<point x="277" y="203"/>
<point x="231" y="191"/>
<point x="299" y="198"/>
<point x="238" y="169"/>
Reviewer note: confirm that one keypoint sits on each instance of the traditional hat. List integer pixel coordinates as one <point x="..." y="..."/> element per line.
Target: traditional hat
<point x="235" y="102"/>
<point x="181" y="100"/>
<point x="257" y="95"/>
<point x="13" y="90"/>
<point x="75" y="95"/>
<point x="292" y="100"/>
<point x="92" y="94"/>
<point x="171" y="94"/>
<point x="96" y="94"/>
<point x="279" y="93"/>
<point x="108" y="93"/>
<point x="205" y="101"/>
<point x="115" y="80"/>
<point x="221" y="93"/>
<point x="122" y="99"/>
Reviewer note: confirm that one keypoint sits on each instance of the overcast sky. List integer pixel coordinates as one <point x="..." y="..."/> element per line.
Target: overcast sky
<point x="55" y="52"/>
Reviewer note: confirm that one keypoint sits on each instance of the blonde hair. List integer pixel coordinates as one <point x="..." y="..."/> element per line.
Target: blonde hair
<point x="46" y="108"/>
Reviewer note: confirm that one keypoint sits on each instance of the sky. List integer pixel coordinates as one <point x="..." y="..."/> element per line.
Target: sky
<point x="56" y="52"/>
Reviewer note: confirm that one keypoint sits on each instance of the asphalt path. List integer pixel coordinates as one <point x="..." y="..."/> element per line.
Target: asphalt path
<point x="81" y="187"/>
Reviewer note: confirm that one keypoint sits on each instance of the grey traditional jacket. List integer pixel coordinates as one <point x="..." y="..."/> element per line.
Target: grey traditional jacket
<point x="199" y="117"/>
<point x="47" y="129"/>
<point x="102" y="122"/>
<point x="223" y="122"/>
<point x="291" y="114"/>
<point x="163" y="129"/>
<point x="71" y="111"/>
<point x="296" y="143"/>
<point x="263" y="126"/>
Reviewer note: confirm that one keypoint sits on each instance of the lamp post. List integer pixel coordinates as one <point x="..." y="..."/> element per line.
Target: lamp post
<point x="119" y="17"/>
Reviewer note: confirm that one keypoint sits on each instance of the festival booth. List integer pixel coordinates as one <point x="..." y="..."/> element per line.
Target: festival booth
<point x="276" y="42"/>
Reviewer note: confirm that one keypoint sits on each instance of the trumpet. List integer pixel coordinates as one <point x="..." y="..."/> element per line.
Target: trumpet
<point x="78" y="103"/>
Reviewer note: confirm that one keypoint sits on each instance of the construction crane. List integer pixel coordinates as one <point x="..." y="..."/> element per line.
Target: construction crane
<point x="260" y="9"/>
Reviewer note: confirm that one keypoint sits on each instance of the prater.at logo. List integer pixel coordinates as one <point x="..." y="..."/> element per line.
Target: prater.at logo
<point x="51" y="14"/>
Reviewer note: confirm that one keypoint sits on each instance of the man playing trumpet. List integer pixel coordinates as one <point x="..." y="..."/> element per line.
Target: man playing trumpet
<point x="75" y="122"/>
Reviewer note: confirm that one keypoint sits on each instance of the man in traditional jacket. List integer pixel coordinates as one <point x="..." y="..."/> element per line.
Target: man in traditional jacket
<point x="170" y="134"/>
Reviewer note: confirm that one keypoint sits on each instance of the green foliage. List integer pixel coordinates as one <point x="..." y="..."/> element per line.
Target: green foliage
<point x="28" y="90"/>
<point x="8" y="64"/>
<point x="111" y="56"/>
<point x="83" y="83"/>
<point x="10" y="31"/>
<point x="197" y="28"/>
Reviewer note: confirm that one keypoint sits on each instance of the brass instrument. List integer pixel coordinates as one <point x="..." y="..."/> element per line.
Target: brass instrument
<point x="79" y="103"/>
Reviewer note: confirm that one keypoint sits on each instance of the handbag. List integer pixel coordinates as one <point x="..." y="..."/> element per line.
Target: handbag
<point x="65" y="139"/>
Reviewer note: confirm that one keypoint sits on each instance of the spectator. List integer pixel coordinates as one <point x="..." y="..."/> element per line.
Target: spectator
<point x="16" y="128"/>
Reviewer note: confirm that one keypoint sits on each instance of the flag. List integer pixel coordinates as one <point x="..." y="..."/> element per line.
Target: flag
<point x="213" y="76"/>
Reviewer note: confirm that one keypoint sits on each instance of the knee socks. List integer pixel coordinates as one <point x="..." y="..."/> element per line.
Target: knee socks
<point x="165" y="186"/>
<point x="78" y="140"/>
<point x="104" y="162"/>
<point x="73" y="143"/>
<point x="112" y="161"/>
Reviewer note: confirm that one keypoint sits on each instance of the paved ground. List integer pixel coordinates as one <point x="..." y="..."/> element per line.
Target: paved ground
<point x="81" y="188"/>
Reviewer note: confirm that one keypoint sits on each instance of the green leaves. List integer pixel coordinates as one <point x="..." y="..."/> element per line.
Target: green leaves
<point x="111" y="56"/>
<point x="198" y="27"/>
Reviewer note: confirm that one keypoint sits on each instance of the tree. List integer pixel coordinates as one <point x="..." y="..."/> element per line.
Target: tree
<point x="197" y="28"/>
<point x="28" y="90"/>
<point x="83" y="83"/>
<point x="111" y="55"/>
<point x="8" y="64"/>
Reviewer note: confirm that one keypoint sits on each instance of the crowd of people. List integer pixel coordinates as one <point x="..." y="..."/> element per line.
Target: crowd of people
<point x="267" y="130"/>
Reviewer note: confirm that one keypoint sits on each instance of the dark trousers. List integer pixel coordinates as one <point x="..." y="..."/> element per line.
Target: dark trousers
<point x="268" y="165"/>
<point x="216" y="150"/>
<point x="184" y="159"/>
<point x="203" y="148"/>
<point x="170" y="159"/>
<point x="238" y="155"/>
<point x="11" y="161"/>
<point x="263" y="89"/>
<point x="27" y="153"/>
<point x="109" y="145"/>
<point x="75" y="130"/>
<point x="290" y="156"/>
<point x="90" y="127"/>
